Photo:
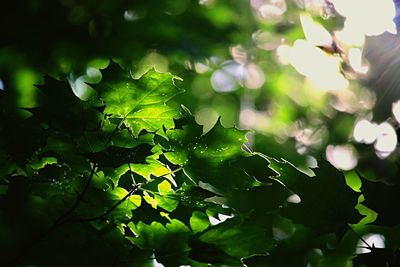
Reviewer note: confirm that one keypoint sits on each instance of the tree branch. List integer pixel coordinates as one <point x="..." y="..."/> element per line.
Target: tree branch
<point x="78" y="199"/>
<point x="58" y="222"/>
<point x="135" y="188"/>
<point x="107" y="212"/>
<point x="359" y="237"/>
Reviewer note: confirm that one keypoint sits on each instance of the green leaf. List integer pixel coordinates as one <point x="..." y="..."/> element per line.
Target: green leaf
<point x="268" y="198"/>
<point x="164" y="198"/>
<point x="239" y="239"/>
<point x="208" y="253"/>
<point x="40" y="164"/>
<point x="326" y="204"/>
<point x="98" y="202"/>
<point x="199" y="221"/>
<point x="169" y="241"/>
<point x="62" y="110"/>
<point x="217" y="152"/>
<point x="217" y="146"/>
<point x="151" y="168"/>
<point x="140" y="103"/>
<point x="117" y="156"/>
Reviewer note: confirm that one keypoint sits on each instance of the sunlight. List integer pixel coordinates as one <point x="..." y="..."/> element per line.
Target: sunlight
<point x="266" y="40"/>
<point x="356" y="61"/>
<point x="206" y="2"/>
<point x="359" y="14"/>
<point x="283" y="54"/>
<point x="254" y="77"/>
<point x="342" y="157"/>
<point x="222" y="81"/>
<point x="383" y="135"/>
<point x="396" y="110"/>
<point x="344" y="101"/>
<point x="79" y="85"/>
<point x="239" y="54"/>
<point x="373" y="240"/>
<point x="201" y="67"/>
<point x="131" y="15"/>
<point x="322" y="69"/>
<point x="314" y="32"/>
<point x="232" y="74"/>
<point x="365" y="132"/>
<point x="350" y="36"/>
<point x="386" y="141"/>
<point x="294" y="199"/>
<point x="269" y="10"/>
<point x="248" y="118"/>
<point x="221" y="218"/>
<point x="154" y="262"/>
<point x="315" y="6"/>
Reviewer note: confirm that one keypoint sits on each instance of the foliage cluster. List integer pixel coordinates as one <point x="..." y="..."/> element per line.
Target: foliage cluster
<point x="124" y="176"/>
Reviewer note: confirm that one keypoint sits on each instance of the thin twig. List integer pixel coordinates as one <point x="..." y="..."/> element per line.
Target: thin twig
<point x="58" y="222"/>
<point x="135" y="188"/>
<point x="102" y="216"/>
<point x="171" y="172"/>
<point x="113" y="132"/>
<point x="79" y="198"/>
<point x="133" y="178"/>
<point x="359" y="237"/>
<point x="63" y="218"/>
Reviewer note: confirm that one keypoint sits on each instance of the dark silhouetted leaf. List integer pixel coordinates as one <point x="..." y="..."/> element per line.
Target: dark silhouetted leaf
<point x="327" y="204"/>
<point x="116" y="156"/>
<point x="381" y="197"/>
<point x="378" y="257"/>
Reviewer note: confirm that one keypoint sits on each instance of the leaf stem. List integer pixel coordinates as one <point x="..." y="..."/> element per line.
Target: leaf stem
<point x="79" y="198"/>
<point x="113" y="132"/>
<point x="107" y="212"/>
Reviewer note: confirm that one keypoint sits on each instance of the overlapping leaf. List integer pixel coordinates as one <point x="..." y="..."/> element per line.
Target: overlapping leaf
<point x="62" y="110"/>
<point x="169" y="241"/>
<point x="326" y="204"/>
<point x="129" y="136"/>
<point x="209" y="158"/>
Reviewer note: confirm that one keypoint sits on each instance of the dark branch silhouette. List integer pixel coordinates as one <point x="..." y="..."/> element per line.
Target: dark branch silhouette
<point x="58" y="222"/>
<point x="107" y="212"/>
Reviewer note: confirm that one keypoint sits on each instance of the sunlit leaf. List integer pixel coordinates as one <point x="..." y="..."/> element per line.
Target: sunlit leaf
<point x="141" y="103"/>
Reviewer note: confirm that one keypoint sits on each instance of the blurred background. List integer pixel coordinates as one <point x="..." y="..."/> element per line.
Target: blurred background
<point x="311" y="79"/>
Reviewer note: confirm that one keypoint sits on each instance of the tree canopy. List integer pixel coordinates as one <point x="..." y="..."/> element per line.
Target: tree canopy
<point x="198" y="133"/>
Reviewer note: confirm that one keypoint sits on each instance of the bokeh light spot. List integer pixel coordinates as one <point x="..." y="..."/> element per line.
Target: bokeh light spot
<point x="365" y="132"/>
<point x="396" y="110"/>
<point x="314" y="32"/>
<point x="343" y="157"/>
<point x="386" y="141"/>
